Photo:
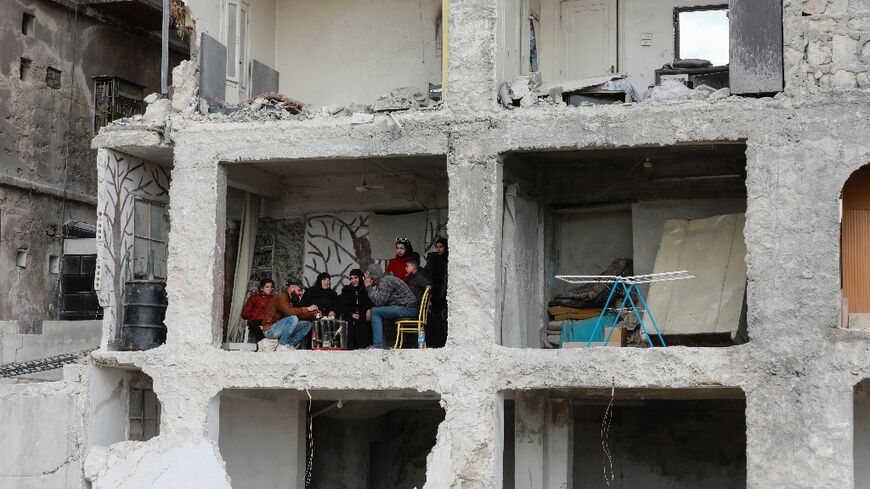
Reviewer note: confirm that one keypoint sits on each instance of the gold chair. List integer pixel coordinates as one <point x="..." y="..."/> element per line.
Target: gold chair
<point x="414" y="325"/>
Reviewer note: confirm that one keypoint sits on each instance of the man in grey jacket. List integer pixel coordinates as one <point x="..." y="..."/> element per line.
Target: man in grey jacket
<point x="392" y="299"/>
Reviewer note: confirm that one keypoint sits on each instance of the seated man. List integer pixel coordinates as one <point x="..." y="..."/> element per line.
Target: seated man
<point x="392" y="299"/>
<point x="286" y="322"/>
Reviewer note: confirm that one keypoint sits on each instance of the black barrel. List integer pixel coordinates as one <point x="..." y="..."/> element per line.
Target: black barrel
<point x="144" y="311"/>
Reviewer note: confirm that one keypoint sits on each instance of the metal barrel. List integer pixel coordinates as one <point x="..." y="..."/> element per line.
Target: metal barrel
<point x="144" y="310"/>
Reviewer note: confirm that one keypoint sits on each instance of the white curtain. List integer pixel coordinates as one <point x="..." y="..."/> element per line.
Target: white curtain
<point x="521" y="272"/>
<point x="247" y="238"/>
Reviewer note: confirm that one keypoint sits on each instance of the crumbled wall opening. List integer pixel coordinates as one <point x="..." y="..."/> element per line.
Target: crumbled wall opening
<point x="360" y="440"/>
<point x="637" y="437"/>
<point x="580" y="212"/>
<point x="124" y="406"/>
<point x="595" y="53"/>
<point x="854" y="250"/>
<point x="333" y="216"/>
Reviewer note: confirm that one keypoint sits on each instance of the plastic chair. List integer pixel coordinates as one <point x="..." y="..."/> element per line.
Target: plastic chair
<point x="414" y="325"/>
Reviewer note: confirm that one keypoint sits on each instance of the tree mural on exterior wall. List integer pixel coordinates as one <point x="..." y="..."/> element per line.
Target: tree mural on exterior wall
<point x="124" y="180"/>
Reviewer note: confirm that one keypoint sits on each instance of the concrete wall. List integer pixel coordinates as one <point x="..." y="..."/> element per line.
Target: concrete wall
<point x="352" y="51"/>
<point x="262" y="440"/>
<point x="45" y="154"/>
<point x="41" y="436"/>
<point x="589" y="241"/>
<point x="663" y="444"/>
<point x="57" y="337"/>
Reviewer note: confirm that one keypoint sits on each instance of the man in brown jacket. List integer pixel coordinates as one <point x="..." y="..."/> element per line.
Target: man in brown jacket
<point x="285" y="321"/>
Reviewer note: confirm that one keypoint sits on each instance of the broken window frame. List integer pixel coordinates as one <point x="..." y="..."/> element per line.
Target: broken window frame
<point x="699" y="8"/>
<point x="148" y="235"/>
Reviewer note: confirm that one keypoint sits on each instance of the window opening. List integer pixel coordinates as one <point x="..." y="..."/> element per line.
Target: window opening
<point x="27" y="21"/>
<point x="53" y="264"/>
<point x="52" y="78"/>
<point x="144" y="414"/>
<point x="24" y="69"/>
<point x="149" y="249"/>
<point x="702" y="33"/>
<point x="21" y="258"/>
<point x="115" y="98"/>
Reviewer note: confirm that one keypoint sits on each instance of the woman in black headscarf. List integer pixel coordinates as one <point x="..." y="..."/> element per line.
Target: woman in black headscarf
<point x="321" y="293"/>
<point x="355" y="303"/>
<point x="436" y="270"/>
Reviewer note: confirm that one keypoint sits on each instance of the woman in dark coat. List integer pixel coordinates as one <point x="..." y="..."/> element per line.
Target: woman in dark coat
<point x="355" y="303"/>
<point x="322" y="295"/>
<point x="436" y="269"/>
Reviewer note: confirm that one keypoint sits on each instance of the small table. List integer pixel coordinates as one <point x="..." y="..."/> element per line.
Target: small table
<point x="329" y="334"/>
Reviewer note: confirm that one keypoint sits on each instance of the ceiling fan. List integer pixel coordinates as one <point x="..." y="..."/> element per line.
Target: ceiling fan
<point x="366" y="187"/>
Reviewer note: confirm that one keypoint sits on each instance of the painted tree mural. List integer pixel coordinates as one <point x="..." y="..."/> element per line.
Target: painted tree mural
<point x="123" y="180"/>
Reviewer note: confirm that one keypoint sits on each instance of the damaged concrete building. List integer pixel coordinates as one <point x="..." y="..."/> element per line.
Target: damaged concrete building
<point x="565" y="148"/>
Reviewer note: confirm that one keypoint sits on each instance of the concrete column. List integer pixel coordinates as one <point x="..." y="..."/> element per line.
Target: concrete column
<point x="544" y="447"/>
<point x="529" y="440"/>
<point x="471" y="55"/>
<point x="475" y="200"/>
<point x="559" y="445"/>
<point x="787" y="422"/>
<point x="475" y="420"/>
<point x="194" y="284"/>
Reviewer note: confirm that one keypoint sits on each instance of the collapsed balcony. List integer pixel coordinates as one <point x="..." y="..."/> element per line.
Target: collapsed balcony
<point x="310" y="58"/>
<point x="592" y="52"/>
<point x="624" y="213"/>
<point x="309" y="220"/>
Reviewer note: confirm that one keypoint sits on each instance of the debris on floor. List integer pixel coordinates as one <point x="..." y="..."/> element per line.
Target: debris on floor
<point x="527" y="91"/>
<point x="277" y="100"/>
<point x="404" y="98"/>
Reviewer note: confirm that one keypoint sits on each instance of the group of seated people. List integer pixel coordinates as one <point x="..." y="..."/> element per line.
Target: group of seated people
<point x="365" y="303"/>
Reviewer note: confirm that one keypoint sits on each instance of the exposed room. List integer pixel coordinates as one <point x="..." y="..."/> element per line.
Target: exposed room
<point x="308" y="220"/>
<point x="597" y="438"/>
<point x="580" y="224"/>
<point x="336" y="440"/>
<point x="339" y="52"/>
<point x="593" y="52"/>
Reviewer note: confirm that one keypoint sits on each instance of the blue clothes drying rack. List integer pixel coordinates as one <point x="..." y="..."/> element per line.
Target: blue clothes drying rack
<point x="628" y="285"/>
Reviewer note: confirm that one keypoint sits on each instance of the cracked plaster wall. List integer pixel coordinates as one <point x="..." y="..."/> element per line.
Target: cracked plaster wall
<point x="798" y="370"/>
<point x="41" y="438"/>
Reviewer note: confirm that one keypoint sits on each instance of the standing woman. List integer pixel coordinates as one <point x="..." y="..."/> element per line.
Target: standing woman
<point x="255" y="309"/>
<point x="396" y="265"/>
<point x="436" y="269"/>
<point x="355" y="305"/>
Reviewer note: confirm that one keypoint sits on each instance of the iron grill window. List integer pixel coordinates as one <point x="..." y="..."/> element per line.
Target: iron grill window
<point x="115" y="98"/>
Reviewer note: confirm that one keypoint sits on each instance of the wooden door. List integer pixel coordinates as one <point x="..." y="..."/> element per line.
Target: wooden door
<point x="855" y="241"/>
<point x="588" y="38"/>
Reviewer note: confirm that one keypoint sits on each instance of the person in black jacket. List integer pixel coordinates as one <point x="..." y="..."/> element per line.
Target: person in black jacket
<point x="322" y="295"/>
<point x="436" y="269"/>
<point x="354" y="304"/>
